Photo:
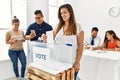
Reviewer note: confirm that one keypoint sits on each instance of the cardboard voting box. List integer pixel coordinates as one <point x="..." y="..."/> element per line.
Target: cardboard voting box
<point x="53" y="70"/>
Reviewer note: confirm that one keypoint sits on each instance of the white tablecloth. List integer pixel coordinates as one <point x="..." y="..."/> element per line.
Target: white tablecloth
<point x="100" y="65"/>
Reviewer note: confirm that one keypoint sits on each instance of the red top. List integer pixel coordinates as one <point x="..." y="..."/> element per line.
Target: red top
<point x="112" y="45"/>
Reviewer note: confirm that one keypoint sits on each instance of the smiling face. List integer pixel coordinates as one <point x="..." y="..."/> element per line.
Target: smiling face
<point x="65" y="14"/>
<point x="15" y="25"/>
<point x="39" y="18"/>
<point x="94" y="33"/>
<point x="109" y="36"/>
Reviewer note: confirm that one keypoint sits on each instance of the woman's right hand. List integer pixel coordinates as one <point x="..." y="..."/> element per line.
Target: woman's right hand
<point x="12" y="41"/>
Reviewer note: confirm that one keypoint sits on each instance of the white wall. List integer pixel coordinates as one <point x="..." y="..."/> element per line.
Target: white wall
<point x="90" y="13"/>
<point x="6" y="69"/>
<point x="33" y="5"/>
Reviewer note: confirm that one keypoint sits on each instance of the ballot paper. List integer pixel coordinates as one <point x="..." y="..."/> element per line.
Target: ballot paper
<point x="50" y="37"/>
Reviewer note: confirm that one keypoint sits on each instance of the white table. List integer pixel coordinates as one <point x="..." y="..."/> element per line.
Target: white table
<point x="100" y="65"/>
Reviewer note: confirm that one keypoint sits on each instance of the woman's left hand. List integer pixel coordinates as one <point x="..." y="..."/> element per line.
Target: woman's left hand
<point x="76" y="66"/>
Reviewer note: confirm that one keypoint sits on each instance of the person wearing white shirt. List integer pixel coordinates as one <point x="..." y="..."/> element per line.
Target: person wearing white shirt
<point x="68" y="30"/>
<point x="94" y="40"/>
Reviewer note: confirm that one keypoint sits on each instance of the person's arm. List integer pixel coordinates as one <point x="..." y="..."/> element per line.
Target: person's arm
<point x="8" y="40"/>
<point x="99" y="47"/>
<point x="97" y="42"/>
<point x="118" y="46"/>
<point x="54" y="35"/>
<point x="23" y="40"/>
<point x="28" y="34"/>
<point x="80" y="42"/>
<point x="50" y="28"/>
<point x="28" y="37"/>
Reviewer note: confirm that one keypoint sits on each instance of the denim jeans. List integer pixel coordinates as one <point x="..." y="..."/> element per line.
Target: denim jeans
<point x="75" y="75"/>
<point x="14" y="56"/>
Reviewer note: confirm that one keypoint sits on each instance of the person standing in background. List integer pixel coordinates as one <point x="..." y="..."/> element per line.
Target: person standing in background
<point x="15" y="38"/>
<point x="94" y="40"/>
<point x="38" y="29"/>
<point x="67" y="26"/>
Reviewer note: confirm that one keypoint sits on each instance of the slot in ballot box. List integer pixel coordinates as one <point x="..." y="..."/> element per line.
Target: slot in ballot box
<point x="54" y="70"/>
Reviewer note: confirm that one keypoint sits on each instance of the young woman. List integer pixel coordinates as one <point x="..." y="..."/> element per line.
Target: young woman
<point x="15" y="38"/>
<point x="68" y="27"/>
<point x="111" y="41"/>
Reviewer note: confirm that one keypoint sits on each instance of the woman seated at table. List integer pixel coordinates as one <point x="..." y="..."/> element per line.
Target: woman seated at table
<point x="111" y="42"/>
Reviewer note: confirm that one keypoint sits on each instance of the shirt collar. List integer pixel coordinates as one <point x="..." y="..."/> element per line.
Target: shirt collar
<point x="40" y="24"/>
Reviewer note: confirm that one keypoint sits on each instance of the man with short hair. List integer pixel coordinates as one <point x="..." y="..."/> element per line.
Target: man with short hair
<point x="93" y="40"/>
<point x="36" y="31"/>
<point x="38" y="28"/>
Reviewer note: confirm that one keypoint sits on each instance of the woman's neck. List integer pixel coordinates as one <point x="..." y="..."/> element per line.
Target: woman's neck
<point x="66" y="23"/>
<point x="15" y="30"/>
<point x="112" y="40"/>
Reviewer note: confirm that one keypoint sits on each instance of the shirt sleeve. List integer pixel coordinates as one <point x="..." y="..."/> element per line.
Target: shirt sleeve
<point x="87" y="41"/>
<point x="79" y="28"/>
<point x="48" y="26"/>
<point x="98" y="41"/>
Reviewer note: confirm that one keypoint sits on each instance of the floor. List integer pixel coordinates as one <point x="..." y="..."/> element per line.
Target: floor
<point x="13" y="78"/>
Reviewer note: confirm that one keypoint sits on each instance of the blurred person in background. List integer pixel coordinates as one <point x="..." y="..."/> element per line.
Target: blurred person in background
<point x="111" y="42"/>
<point x="93" y="40"/>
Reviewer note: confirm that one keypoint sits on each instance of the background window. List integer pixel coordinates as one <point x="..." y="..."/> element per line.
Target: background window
<point x="19" y="10"/>
<point x="53" y="11"/>
<point x="5" y="14"/>
<point x="10" y="8"/>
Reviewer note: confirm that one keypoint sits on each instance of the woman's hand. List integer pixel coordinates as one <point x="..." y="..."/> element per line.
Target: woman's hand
<point x="76" y="66"/>
<point x="117" y="49"/>
<point x="12" y="41"/>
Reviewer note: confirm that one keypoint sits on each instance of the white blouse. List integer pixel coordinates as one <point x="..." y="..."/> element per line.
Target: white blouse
<point x="70" y="41"/>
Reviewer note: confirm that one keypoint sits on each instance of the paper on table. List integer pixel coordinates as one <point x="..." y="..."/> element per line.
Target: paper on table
<point x="100" y="51"/>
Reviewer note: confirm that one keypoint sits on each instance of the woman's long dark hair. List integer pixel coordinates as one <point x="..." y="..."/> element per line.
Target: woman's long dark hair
<point x="111" y="32"/>
<point x="72" y="29"/>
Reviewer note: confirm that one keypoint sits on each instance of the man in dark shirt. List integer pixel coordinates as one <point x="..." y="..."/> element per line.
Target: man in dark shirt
<point x="38" y="28"/>
<point x="35" y="31"/>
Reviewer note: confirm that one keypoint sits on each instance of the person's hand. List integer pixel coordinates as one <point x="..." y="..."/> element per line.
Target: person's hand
<point x="117" y="49"/>
<point x="32" y="35"/>
<point x="76" y="66"/>
<point x="23" y="40"/>
<point x="87" y="47"/>
<point x="13" y="40"/>
<point x="44" y="38"/>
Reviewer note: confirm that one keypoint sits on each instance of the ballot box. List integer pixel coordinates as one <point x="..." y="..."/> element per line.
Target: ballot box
<point x="54" y="70"/>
